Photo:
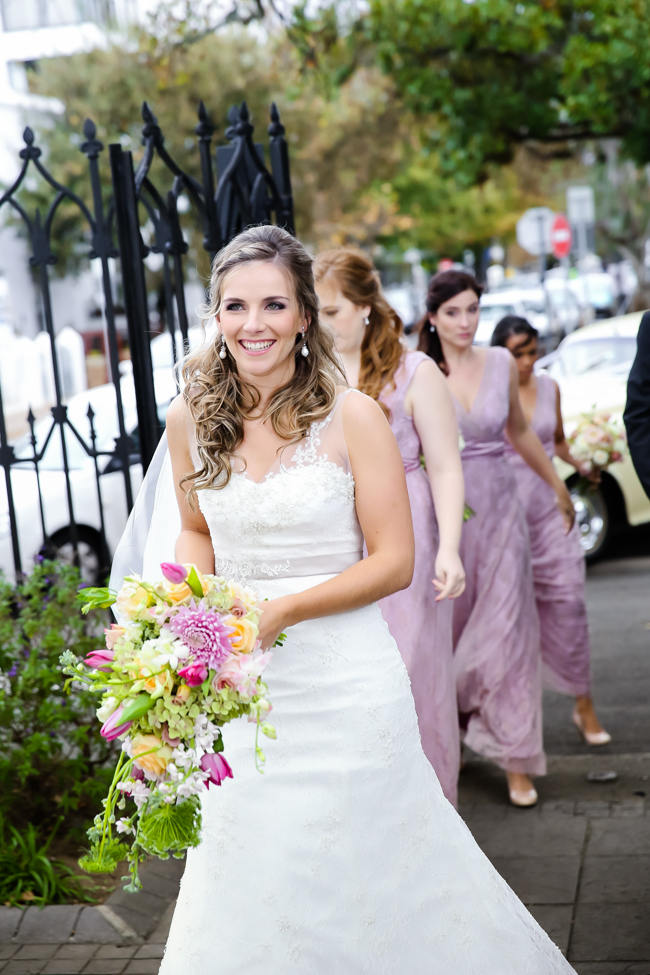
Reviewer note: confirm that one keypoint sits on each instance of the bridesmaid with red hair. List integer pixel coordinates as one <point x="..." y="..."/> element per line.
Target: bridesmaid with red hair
<point x="412" y="392"/>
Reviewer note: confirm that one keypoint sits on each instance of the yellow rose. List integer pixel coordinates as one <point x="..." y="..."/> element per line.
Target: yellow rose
<point x="244" y="635"/>
<point x="178" y="591"/>
<point x="131" y="598"/>
<point x="155" y="762"/>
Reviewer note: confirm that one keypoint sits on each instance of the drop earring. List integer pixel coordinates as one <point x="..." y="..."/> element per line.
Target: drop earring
<point x="223" y="352"/>
<point x="366" y="320"/>
<point x="432" y="327"/>
<point x="304" y="351"/>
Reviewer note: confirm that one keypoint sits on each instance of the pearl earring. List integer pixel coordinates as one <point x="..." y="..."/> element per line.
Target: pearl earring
<point x="366" y="320"/>
<point x="432" y="327"/>
<point x="223" y="352"/>
<point x="304" y="351"/>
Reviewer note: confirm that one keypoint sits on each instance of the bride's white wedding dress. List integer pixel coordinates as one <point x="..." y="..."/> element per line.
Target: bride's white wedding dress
<point x="344" y="856"/>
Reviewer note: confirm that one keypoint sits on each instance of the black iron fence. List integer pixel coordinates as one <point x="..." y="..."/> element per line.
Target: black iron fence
<point x="61" y="484"/>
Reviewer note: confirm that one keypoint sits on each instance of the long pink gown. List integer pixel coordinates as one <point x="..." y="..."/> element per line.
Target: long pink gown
<point x="558" y="563"/>
<point x="496" y="634"/>
<point x="420" y="626"/>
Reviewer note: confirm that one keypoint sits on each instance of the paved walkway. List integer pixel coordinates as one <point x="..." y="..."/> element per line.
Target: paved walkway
<point x="581" y="865"/>
<point x="580" y="859"/>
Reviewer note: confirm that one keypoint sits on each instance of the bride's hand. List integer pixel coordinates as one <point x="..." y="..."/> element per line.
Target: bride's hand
<point x="273" y="621"/>
<point x="450" y="575"/>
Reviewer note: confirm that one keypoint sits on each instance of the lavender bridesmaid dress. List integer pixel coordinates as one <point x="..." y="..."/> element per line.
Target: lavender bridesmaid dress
<point x="558" y="562"/>
<point x="495" y="628"/>
<point x="420" y="626"/>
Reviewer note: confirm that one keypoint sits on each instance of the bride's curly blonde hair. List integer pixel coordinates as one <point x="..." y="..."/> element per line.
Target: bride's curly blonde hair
<point x="218" y="398"/>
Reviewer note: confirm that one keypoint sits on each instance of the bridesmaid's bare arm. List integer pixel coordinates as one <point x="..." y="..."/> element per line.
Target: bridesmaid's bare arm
<point x="429" y="401"/>
<point x="526" y="442"/>
<point x="562" y="448"/>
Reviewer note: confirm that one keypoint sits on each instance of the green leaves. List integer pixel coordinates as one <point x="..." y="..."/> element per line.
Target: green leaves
<point x="94" y="597"/>
<point x="168" y="829"/>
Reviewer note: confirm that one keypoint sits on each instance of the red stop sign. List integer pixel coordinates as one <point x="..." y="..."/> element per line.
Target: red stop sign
<point x="560" y="236"/>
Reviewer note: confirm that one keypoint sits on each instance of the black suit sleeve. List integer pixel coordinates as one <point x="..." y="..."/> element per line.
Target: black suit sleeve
<point x="637" y="409"/>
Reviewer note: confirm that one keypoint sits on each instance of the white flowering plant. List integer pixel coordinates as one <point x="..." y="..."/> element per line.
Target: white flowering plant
<point x="183" y="661"/>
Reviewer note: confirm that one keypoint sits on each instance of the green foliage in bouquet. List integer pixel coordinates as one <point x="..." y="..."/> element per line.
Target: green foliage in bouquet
<point x="51" y="761"/>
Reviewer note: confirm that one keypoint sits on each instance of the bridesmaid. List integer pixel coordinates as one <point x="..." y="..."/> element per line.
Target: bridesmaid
<point x="495" y="629"/>
<point x="558" y="563"/>
<point x="411" y="390"/>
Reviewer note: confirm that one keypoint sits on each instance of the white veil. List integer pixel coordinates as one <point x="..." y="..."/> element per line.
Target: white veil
<point x="153" y="526"/>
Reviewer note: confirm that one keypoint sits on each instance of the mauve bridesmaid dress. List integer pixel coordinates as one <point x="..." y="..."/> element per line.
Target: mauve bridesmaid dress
<point x="558" y="563"/>
<point x="495" y="627"/>
<point x="420" y="626"/>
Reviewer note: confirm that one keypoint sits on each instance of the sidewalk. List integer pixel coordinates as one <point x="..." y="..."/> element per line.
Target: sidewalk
<point x="581" y="865"/>
<point x="580" y="859"/>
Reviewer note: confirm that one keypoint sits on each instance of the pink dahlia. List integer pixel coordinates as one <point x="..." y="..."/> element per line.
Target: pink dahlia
<point x="203" y="631"/>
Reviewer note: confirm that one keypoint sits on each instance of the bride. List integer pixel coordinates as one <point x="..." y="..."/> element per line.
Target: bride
<point x="344" y="856"/>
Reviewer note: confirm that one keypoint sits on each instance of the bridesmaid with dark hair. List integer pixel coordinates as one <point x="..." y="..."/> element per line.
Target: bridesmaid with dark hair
<point x="558" y="562"/>
<point x="495" y="629"/>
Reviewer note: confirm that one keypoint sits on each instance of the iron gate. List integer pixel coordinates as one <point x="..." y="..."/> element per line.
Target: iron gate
<point x="236" y="189"/>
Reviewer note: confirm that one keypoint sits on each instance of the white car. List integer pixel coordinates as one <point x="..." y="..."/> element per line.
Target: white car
<point x="56" y="540"/>
<point x="591" y="367"/>
<point x="530" y="303"/>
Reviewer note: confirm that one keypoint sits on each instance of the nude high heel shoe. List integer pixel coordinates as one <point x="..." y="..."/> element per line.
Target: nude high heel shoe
<point x="591" y="737"/>
<point x="523" y="798"/>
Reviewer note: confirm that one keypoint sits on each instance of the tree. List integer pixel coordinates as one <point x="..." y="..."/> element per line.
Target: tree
<point x="498" y="75"/>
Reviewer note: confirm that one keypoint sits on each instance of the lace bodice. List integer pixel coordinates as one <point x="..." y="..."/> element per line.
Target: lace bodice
<point x="299" y="520"/>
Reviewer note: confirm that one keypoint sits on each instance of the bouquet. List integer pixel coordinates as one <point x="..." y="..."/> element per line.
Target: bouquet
<point x="183" y="661"/>
<point x="597" y="441"/>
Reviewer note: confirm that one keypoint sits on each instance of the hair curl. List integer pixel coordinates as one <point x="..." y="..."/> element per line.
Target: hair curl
<point x="218" y="398"/>
<point x="358" y="281"/>
<point x="443" y="286"/>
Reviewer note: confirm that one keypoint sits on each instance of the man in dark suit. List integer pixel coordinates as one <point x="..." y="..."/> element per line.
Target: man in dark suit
<point x="637" y="409"/>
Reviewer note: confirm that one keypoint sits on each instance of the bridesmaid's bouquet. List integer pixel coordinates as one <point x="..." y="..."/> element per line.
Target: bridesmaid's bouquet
<point x="182" y="662"/>
<point x="597" y="441"/>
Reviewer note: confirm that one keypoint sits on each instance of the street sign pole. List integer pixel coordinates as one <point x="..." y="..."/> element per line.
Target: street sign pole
<point x="542" y="224"/>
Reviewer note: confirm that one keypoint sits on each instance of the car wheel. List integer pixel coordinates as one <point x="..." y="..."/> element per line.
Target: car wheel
<point x="91" y="556"/>
<point x="593" y="521"/>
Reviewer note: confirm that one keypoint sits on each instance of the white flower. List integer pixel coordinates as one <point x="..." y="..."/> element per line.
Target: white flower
<point x="205" y="733"/>
<point x="124" y="826"/>
<point x="619" y="445"/>
<point x="600" y="458"/>
<point x="106" y="708"/>
<point x="5" y="684"/>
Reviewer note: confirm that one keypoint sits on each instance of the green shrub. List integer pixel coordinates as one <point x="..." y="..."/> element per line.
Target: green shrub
<point x="52" y="757"/>
<point x="28" y="875"/>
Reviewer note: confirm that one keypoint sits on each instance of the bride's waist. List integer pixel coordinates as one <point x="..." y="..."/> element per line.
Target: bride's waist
<point x="284" y="575"/>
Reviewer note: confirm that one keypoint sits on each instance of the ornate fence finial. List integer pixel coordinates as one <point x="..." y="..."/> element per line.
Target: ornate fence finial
<point x="92" y="146"/>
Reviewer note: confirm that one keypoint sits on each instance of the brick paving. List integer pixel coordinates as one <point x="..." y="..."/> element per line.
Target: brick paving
<point x="580" y="859"/>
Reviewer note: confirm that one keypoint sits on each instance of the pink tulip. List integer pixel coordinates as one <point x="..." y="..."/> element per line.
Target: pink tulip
<point x="112" y="728"/>
<point x="217" y="767"/>
<point x="194" y="674"/>
<point x="173" y="572"/>
<point x="99" y="659"/>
